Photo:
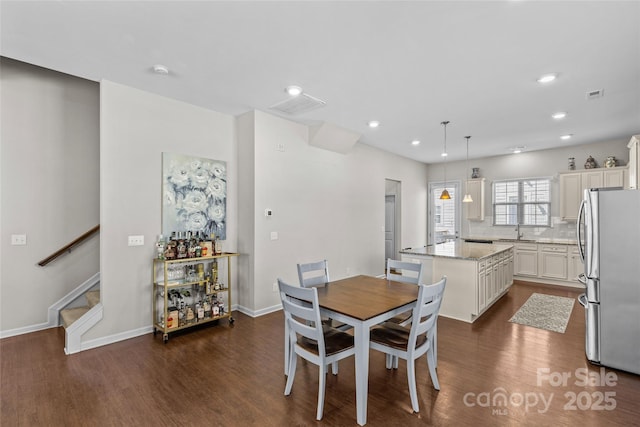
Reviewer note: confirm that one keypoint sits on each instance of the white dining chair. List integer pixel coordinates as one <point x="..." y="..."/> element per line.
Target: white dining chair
<point x="406" y="272"/>
<point x="309" y="339"/>
<point x="411" y="343"/>
<point x="313" y="273"/>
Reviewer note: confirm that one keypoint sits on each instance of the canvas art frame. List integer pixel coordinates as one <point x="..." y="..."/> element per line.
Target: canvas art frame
<point x="194" y="195"/>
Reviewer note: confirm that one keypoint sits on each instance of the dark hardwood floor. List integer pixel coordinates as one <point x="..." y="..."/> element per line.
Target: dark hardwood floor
<point x="233" y="376"/>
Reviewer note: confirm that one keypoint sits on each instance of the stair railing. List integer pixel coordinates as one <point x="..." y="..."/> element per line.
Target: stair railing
<point x="69" y="246"/>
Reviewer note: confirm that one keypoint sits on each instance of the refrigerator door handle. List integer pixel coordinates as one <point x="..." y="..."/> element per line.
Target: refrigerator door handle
<point x="578" y="231"/>
<point x="582" y="279"/>
<point x="582" y="299"/>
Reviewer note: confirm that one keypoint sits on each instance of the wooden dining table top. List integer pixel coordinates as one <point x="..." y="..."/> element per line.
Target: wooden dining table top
<point x="363" y="297"/>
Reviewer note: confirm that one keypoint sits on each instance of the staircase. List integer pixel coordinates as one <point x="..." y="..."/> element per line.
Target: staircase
<point x="70" y="315"/>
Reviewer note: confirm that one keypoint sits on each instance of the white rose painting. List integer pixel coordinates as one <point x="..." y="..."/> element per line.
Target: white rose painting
<point x="194" y="195"/>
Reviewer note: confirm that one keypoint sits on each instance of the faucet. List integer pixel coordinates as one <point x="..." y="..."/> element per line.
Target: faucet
<point x="518" y="233"/>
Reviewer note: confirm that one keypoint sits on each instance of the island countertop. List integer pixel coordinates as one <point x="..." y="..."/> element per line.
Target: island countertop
<point x="459" y="250"/>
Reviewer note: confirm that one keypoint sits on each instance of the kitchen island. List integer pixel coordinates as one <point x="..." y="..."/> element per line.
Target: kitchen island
<point x="477" y="274"/>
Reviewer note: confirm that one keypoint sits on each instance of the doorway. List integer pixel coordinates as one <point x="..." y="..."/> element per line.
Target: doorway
<point x="444" y="215"/>
<point x="391" y="219"/>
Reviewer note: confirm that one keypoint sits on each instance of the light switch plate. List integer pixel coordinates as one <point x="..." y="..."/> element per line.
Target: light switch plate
<point x="136" y="240"/>
<point x="19" y="239"/>
<point x="274" y="235"/>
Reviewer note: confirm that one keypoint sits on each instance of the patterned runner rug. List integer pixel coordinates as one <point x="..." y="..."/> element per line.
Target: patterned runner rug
<point x="545" y="312"/>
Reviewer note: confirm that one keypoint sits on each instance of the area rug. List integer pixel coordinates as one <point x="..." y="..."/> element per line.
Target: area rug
<point x="545" y="312"/>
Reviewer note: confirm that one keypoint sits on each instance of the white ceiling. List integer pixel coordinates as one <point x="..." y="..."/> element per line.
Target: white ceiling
<point x="409" y="65"/>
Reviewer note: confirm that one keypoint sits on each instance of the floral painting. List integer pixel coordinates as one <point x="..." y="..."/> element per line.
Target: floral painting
<point x="194" y="195"/>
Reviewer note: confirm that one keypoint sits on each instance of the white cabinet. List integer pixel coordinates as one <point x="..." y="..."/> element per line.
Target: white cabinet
<point x="475" y="210"/>
<point x="526" y="259"/>
<point x="573" y="184"/>
<point x="570" y="194"/>
<point x="574" y="265"/>
<point x="614" y="177"/>
<point x="552" y="260"/>
<point x="634" y="163"/>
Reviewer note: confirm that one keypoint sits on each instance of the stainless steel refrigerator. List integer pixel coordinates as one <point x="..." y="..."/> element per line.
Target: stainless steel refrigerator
<point x="609" y="243"/>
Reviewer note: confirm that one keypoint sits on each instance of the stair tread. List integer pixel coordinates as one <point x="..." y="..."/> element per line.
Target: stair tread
<point x="93" y="297"/>
<point x="70" y="315"/>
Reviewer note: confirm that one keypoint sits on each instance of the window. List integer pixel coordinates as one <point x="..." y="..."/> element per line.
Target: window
<point x="523" y="201"/>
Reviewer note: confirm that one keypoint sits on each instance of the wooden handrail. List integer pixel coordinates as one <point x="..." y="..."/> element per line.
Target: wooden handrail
<point x="69" y="246"/>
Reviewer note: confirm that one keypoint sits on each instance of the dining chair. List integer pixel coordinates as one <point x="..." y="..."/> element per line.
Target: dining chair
<point x="309" y="339"/>
<point x="411" y="343"/>
<point x="396" y="271"/>
<point x="314" y="274"/>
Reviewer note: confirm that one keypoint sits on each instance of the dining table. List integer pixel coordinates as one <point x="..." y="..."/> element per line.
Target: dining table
<point x="362" y="302"/>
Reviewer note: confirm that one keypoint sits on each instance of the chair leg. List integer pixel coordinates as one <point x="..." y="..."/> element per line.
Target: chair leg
<point x="287" y="346"/>
<point x="334" y="368"/>
<point x="411" y="379"/>
<point x="434" y="343"/>
<point x="432" y="369"/>
<point x="291" y="375"/>
<point x="388" y="361"/>
<point x="395" y="362"/>
<point x="321" y="386"/>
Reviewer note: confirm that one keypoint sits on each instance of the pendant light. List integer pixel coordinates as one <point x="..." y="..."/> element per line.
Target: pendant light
<point x="445" y="194"/>
<point x="467" y="197"/>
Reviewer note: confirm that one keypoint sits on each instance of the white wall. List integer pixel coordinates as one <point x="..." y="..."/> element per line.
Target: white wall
<point x="542" y="163"/>
<point x="135" y="128"/>
<point x="50" y="188"/>
<point x="325" y="205"/>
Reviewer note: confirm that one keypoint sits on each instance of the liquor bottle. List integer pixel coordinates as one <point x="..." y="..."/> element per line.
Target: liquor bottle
<point x="182" y="249"/>
<point x="214" y="271"/>
<point x="160" y="247"/>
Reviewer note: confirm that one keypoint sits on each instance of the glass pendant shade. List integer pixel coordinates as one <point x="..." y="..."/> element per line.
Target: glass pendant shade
<point x="467" y="198"/>
<point x="445" y="194"/>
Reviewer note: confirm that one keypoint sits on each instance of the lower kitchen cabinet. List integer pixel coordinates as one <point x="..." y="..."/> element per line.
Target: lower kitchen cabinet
<point x="526" y="259"/>
<point x="552" y="261"/>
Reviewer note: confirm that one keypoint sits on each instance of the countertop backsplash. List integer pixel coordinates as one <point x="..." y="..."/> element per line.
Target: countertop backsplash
<point x="560" y="230"/>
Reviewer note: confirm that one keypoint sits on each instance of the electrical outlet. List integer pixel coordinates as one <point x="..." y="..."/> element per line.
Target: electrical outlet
<point x="136" y="240"/>
<point x="18" y="239"/>
<point x="275" y="287"/>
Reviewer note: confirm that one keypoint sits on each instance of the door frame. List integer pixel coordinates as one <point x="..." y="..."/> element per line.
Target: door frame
<point x="394" y="188"/>
<point x="451" y="184"/>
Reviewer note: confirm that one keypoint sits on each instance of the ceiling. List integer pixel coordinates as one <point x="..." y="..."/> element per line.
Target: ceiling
<point x="409" y="65"/>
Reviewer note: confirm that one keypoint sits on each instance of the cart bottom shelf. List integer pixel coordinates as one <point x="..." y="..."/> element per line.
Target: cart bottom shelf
<point x="159" y="327"/>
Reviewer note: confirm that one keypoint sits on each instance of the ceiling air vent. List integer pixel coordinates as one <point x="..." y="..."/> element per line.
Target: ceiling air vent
<point x="298" y="104"/>
<point x="593" y="94"/>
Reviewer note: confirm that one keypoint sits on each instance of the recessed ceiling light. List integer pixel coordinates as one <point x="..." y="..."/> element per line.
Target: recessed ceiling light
<point x="415" y="142"/>
<point x="160" y="69"/>
<point x="444" y="154"/>
<point x="293" y="90"/>
<point x="373" y="124"/>
<point x="517" y="150"/>
<point x="559" y="115"/>
<point x="567" y="136"/>
<point x="547" y="78"/>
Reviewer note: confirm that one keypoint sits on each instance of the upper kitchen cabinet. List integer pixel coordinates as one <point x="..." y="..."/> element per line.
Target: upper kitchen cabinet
<point x="573" y="184"/>
<point x="475" y="210"/>
<point x="634" y="162"/>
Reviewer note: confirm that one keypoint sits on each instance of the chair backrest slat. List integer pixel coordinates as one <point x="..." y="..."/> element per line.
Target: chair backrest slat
<point x="425" y="313"/>
<point x="313" y="273"/>
<point x="413" y="268"/>
<point x="302" y="312"/>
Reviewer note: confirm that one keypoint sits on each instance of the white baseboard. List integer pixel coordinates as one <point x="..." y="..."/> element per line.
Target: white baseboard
<point x="25" y="330"/>
<point x="111" y="339"/>
<point x="258" y="313"/>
